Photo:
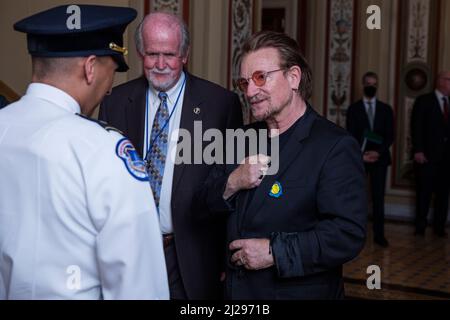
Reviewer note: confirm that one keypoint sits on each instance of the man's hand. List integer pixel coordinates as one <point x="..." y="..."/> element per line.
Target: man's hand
<point x="248" y="175"/>
<point x="253" y="254"/>
<point x="420" y="158"/>
<point x="371" y="156"/>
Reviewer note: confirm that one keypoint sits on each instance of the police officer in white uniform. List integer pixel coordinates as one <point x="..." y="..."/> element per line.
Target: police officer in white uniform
<point x="73" y="222"/>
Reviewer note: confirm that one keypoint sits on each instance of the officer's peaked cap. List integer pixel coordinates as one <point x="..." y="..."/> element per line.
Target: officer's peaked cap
<point x="98" y="31"/>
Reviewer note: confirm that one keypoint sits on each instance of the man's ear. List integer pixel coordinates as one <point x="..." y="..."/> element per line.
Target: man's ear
<point x="295" y="77"/>
<point x="89" y="69"/>
<point x="186" y="57"/>
<point x="139" y="53"/>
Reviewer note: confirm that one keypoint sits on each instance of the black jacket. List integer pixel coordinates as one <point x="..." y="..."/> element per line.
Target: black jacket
<point x="3" y="102"/>
<point x="315" y="226"/>
<point x="358" y="123"/>
<point x="429" y="132"/>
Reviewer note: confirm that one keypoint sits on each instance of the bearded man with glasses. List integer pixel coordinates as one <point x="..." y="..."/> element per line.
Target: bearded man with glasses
<point x="289" y="233"/>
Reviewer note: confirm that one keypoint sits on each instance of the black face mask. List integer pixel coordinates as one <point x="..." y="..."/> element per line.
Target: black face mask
<point x="370" y="91"/>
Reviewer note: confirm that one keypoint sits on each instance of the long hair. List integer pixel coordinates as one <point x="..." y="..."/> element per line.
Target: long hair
<point x="290" y="55"/>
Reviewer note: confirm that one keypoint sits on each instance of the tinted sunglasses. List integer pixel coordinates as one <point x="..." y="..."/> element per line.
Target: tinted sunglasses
<point x="259" y="79"/>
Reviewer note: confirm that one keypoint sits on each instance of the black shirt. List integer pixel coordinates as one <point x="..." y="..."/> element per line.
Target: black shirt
<point x="283" y="140"/>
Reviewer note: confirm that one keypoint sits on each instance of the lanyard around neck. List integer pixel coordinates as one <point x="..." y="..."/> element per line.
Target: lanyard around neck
<point x="149" y="134"/>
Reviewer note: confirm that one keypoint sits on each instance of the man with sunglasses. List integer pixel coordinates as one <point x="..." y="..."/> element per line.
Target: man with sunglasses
<point x="289" y="233"/>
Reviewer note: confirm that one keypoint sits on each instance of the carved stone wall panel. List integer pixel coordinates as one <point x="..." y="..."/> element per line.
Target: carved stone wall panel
<point x="241" y="27"/>
<point x="339" y="59"/>
<point x="173" y="6"/>
<point x="415" y="75"/>
<point x="418" y="30"/>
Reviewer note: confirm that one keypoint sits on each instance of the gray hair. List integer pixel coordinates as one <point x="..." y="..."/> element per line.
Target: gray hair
<point x="369" y="74"/>
<point x="290" y="55"/>
<point x="185" y="36"/>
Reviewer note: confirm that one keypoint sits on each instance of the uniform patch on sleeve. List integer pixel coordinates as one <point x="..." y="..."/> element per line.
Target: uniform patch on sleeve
<point x="133" y="162"/>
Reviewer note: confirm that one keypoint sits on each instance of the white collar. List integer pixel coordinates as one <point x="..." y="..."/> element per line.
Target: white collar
<point x="373" y="101"/>
<point x="53" y="95"/>
<point x="440" y="95"/>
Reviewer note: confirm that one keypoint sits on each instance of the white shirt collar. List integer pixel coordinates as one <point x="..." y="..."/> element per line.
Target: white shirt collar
<point x="172" y="94"/>
<point x="373" y="100"/>
<point x="440" y="95"/>
<point x="53" y="95"/>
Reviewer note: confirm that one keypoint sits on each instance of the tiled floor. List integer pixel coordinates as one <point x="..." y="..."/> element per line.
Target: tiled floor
<point x="411" y="268"/>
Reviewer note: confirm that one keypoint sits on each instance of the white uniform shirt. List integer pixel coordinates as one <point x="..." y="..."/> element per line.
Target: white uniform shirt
<point x="73" y="222"/>
<point x="177" y="92"/>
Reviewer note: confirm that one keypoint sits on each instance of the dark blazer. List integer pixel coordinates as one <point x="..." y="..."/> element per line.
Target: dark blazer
<point x="429" y="132"/>
<point x="3" y="102"/>
<point x="358" y="123"/>
<point x="199" y="244"/>
<point x="315" y="226"/>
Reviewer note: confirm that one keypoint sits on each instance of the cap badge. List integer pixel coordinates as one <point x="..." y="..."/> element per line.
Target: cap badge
<point x="117" y="48"/>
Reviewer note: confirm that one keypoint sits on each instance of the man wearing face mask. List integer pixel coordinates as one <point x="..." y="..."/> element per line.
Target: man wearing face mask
<point x="371" y="122"/>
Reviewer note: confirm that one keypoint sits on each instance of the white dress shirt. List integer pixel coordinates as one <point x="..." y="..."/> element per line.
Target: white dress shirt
<point x="373" y="102"/>
<point x="73" y="222"/>
<point x="440" y="97"/>
<point x="165" y="210"/>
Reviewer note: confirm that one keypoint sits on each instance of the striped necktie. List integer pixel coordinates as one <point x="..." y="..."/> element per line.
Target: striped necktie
<point x="370" y="113"/>
<point x="156" y="158"/>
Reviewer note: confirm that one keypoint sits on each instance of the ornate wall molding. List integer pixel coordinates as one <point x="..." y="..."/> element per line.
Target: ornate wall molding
<point x="339" y="59"/>
<point x="178" y="7"/>
<point x="173" y="6"/>
<point x="418" y="30"/>
<point x="241" y="27"/>
<point x="416" y="63"/>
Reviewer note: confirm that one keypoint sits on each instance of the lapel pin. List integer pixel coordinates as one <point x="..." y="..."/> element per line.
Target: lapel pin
<point x="197" y="110"/>
<point x="276" y="191"/>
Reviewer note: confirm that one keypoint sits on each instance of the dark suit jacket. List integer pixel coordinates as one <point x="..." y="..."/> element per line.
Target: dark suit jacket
<point x="358" y="122"/>
<point x="3" y="102"/>
<point x="316" y="225"/>
<point x="199" y="244"/>
<point x="429" y="132"/>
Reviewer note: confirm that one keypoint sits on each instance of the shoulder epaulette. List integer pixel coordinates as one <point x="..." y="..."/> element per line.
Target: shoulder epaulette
<point x="101" y="123"/>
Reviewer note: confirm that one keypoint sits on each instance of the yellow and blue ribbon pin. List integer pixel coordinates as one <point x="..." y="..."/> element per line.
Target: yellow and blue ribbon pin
<point x="276" y="191"/>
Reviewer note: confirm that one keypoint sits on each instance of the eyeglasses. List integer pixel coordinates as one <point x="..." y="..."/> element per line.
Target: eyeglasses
<point x="259" y="79"/>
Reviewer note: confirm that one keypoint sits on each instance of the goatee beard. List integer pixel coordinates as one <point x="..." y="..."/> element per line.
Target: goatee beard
<point x="162" y="86"/>
<point x="271" y="111"/>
